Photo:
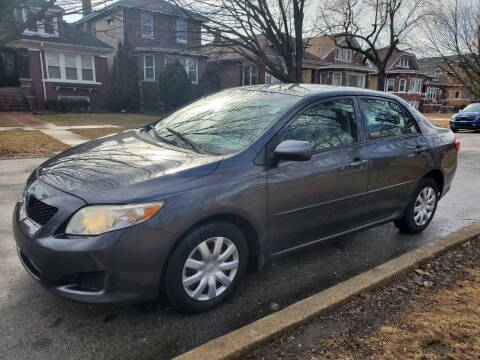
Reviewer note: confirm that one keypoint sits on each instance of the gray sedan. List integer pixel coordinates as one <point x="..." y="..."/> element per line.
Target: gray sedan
<point x="186" y="205"/>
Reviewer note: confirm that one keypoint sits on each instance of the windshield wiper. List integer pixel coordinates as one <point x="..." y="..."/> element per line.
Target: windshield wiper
<point x="160" y="137"/>
<point x="192" y="144"/>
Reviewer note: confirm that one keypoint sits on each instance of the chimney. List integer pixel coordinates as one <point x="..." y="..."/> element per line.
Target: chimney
<point x="86" y="7"/>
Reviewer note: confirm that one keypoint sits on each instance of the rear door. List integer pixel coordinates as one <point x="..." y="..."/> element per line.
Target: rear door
<point x="311" y="199"/>
<point x="396" y="151"/>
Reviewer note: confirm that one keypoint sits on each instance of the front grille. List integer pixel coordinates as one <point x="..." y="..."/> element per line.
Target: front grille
<point x="465" y="118"/>
<point x="38" y="211"/>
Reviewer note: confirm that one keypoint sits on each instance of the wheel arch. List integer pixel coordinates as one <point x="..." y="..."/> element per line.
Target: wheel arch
<point x="438" y="177"/>
<point x="256" y="258"/>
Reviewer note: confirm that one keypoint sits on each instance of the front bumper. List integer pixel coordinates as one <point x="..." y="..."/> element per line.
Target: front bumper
<point x="472" y="125"/>
<point x="122" y="265"/>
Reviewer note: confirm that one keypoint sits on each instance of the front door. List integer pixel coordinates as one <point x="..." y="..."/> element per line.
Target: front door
<point x="397" y="155"/>
<point x="308" y="200"/>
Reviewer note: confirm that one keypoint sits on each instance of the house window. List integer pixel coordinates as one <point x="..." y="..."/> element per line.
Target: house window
<point x="53" y="66"/>
<point x="343" y="55"/>
<point x="47" y="27"/>
<point x="323" y="77"/>
<point x="431" y="93"/>
<point x="148" y="67"/>
<point x="87" y="68"/>
<point x="402" y="62"/>
<point x="390" y="85"/>
<point x="191" y="67"/>
<point x="457" y="94"/>
<point x="438" y="72"/>
<point x="402" y="86"/>
<point x="181" y="31"/>
<point x="71" y="67"/>
<point x="110" y="20"/>
<point x="190" y="64"/>
<point x="250" y="75"/>
<point x="270" y="79"/>
<point x="415" y="85"/>
<point x="467" y="95"/>
<point x="337" y="79"/>
<point x="147" y="25"/>
<point x="354" y="80"/>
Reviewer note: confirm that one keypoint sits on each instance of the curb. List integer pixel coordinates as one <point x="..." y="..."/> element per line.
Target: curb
<point x="240" y="341"/>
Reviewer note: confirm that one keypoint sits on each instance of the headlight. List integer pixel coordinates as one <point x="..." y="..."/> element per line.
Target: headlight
<point x="98" y="219"/>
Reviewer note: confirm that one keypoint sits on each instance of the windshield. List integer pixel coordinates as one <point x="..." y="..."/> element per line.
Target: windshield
<point x="225" y="122"/>
<point x="472" y="108"/>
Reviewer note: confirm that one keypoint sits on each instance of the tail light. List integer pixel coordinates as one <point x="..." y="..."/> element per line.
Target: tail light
<point x="457" y="145"/>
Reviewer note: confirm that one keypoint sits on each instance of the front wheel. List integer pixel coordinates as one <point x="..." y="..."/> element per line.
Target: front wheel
<point x="420" y="209"/>
<point x="206" y="267"/>
<point x="454" y="130"/>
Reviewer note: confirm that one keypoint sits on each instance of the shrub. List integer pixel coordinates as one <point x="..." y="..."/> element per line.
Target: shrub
<point x="125" y="89"/>
<point x="210" y="80"/>
<point x="175" y="87"/>
<point x="67" y="105"/>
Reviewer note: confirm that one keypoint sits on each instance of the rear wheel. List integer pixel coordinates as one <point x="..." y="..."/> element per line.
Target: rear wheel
<point x="421" y="207"/>
<point x="206" y="267"/>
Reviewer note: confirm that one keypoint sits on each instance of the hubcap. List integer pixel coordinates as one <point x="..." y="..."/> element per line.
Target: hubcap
<point x="210" y="268"/>
<point x="424" y="206"/>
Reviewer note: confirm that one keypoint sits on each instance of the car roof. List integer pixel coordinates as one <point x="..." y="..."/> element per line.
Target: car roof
<point x="314" y="90"/>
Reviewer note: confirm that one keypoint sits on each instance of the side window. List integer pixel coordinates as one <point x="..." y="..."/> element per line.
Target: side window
<point x="326" y="125"/>
<point x="385" y="119"/>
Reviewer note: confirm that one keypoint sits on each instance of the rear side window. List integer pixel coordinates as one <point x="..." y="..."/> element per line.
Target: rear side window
<point x="326" y="125"/>
<point x="385" y="118"/>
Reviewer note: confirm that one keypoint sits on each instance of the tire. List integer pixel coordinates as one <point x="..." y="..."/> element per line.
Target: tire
<point x="189" y="286"/>
<point x="411" y="222"/>
<point x="454" y="130"/>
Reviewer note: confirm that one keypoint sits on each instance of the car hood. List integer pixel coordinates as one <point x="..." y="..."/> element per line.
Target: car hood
<point x="467" y="114"/>
<point x="123" y="167"/>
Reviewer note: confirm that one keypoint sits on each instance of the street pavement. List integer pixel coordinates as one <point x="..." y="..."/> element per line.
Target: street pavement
<point x="35" y="324"/>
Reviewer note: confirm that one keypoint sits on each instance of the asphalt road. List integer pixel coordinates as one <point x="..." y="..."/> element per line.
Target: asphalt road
<point x="35" y="324"/>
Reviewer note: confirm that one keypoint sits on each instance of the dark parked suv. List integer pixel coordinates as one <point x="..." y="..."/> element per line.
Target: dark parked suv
<point x="188" y="203"/>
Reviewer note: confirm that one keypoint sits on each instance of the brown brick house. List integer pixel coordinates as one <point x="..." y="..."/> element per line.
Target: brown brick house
<point x="237" y="70"/>
<point x="160" y="33"/>
<point x="53" y="60"/>
<point x="341" y="67"/>
<point x="405" y="78"/>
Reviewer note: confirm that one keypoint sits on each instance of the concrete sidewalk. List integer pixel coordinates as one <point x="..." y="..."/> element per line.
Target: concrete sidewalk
<point x="28" y="122"/>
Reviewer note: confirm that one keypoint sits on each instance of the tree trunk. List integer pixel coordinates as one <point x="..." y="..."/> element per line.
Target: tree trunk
<point x="381" y="79"/>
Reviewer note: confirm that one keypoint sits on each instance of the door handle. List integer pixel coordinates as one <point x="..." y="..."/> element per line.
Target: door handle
<point x="419" y="150"/>
<point x="358" y="163"/>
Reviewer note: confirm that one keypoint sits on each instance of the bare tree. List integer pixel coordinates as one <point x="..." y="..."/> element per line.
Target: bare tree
<point x="372" y="28"/>
<point x="253" y="29"/>
<point x="453" y="38"/>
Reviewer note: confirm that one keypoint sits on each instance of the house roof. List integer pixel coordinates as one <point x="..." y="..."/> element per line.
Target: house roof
<point x="159" y="6"/>
<point x="225" y="51"/>
<point x="321" y="45"/>
<point x="69" y="35"/>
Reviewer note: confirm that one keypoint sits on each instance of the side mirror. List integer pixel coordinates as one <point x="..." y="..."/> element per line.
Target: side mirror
<point x="293" y="150"/>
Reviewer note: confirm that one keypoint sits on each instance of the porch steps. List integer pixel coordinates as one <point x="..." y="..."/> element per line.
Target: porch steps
<point x="13" y="99"/>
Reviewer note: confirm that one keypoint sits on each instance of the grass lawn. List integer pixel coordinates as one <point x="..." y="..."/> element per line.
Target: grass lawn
<point x="442" y="116"/>
<point x="6" y="122"/>
<point x="441" y="123"/>
<point x="96" y="133"/>
<point x="28" y="143"/>
<point x="126" y="120"/>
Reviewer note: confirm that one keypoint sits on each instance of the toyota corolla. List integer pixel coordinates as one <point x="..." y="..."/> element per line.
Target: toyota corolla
<point x="188" y="204"/>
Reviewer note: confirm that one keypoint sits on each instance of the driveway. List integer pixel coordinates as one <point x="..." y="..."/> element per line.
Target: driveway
<point x="36" y="324"/>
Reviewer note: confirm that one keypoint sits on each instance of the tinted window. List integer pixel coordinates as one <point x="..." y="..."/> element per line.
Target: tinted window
<point x="326" y="125"/>
<point x="385" y="119"/>
<point x="228" y="121"/>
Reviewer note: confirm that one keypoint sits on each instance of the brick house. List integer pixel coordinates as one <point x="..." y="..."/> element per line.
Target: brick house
<point x="443" y="92"/>
<point x="341" y="67"/>
<point x="405" y="78"/>
<point x="52" y="59"/>
<point x="160" y="33"/>
<point x="237" y="70"/>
